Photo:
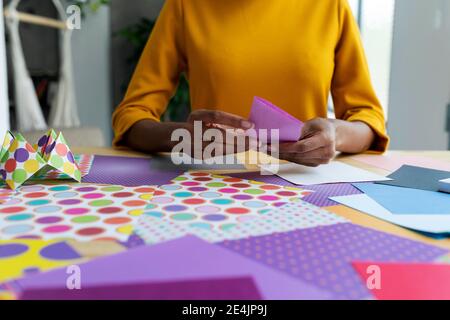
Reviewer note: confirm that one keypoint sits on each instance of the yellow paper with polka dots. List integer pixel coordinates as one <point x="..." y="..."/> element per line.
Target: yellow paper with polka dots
<point x="19" y="258"/>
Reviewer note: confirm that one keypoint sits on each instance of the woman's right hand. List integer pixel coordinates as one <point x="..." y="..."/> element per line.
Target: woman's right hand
<point x="150" y="136"/>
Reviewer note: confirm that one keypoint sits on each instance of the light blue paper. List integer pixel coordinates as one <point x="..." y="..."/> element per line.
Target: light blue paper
<point x="400" y="200"/>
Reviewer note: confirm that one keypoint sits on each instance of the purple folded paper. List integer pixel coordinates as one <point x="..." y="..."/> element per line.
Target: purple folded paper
<point x="267" y="116"/>
<point x="185" y="261"/>
<point x="243" y="288"/>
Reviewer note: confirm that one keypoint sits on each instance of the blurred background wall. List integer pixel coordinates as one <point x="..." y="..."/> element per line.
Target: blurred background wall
<point x="420" y="75"/>
<point x="4" y="108"/>
<point x="93" y="77"/>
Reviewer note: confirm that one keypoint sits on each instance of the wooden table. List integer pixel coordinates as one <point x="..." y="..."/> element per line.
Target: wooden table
<point x="352" y="215"/>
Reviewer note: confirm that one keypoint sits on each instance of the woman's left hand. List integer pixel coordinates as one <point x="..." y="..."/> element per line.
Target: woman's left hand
<point x="317" y="144"/>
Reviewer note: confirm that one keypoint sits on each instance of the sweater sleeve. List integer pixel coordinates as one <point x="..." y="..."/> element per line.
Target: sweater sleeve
<point x="157" y="74"/>
<point x="353" y="94"/>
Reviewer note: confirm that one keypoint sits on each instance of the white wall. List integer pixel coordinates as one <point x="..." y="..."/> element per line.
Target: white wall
<point x="420" y="76"/>
<point x="92" y="65"/>
<point x="377" y="19"/>
<point x="4" y="109"/>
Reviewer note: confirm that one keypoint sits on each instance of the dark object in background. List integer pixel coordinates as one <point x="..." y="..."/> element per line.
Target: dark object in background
<point x="137" y="36"/>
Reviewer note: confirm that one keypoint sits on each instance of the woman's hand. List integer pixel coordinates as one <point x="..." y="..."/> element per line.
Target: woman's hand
<point x="317" y="144"/>
<point x="150" y="136"/>
<point x="322" y="138"/>
<point x="219" y="119"/>
<point x="227" y="125"/>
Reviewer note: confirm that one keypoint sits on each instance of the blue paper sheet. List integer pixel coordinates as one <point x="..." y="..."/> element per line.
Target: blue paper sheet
<point x="400" y="200"/>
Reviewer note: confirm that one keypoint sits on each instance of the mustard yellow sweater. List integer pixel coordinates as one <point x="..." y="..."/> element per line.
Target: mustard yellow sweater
<point x="291" y="52"/>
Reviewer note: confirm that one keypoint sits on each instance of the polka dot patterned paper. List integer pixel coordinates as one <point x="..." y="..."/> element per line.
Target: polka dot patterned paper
<point x="6" y="142"/>
<point x="58" y="156"/>
<point x="292" y="216"/>
<point x="212" y="202"/>
<point x="322" y="256"/>
<point x="83" y="161"/>
<point x="155" y="230"/>
<point x="20" y="161"/>
<point x="81" y="212"/>
<point x="19" y="258"/>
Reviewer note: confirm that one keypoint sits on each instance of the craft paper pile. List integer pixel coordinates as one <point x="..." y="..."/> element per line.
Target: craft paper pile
<point x="399" y="200"/>
<point x="410" y="200"/>
<point x="322" y="256"/>
<point x="320" y="196"/>
<point x="213" y="202"/>
<point x="292" y="216"/>
<point x="417" y="178"/>
<point x="430" y="223"/>
<point x="20" y="161"/>
<point x="170" y="270"/>
<point x="267" y="116"/>
<point x="83" y="212"/>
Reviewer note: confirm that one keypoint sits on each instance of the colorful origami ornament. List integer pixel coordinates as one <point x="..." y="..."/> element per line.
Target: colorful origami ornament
<point x="20" y="161"/>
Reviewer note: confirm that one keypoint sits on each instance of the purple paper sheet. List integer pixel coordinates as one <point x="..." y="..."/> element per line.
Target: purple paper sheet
<point x="318" y="198"/>
<point x="181" y="260"/>
<point x="322" y="193"/>
<point x="322" y="256"/>
<point x="129" y="172"/>
<point x="213" y="289"/>
<point x="267" y="116"/>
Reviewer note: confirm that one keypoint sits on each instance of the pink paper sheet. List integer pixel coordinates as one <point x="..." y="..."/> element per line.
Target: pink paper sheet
<point x="394" y="162"/>
<point x="408" y="281"/>
<point x="267" y="116"/>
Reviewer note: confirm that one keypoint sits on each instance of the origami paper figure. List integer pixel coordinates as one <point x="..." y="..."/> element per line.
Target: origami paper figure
<point x="20" y="161"/>
<point x="266" y="115"/>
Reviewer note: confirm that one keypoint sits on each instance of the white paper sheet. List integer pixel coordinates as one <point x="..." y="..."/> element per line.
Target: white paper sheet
<point x="334" y="172"/>
<point x="444" y="185"/>
<point x="424" y="223"/>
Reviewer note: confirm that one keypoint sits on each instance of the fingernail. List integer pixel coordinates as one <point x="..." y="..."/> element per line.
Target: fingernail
<point x="246" y="124"/>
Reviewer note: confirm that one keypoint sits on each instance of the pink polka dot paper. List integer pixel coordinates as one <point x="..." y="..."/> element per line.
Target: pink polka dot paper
<point x="217" y="203"/>
<point x="82" y="212"/>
